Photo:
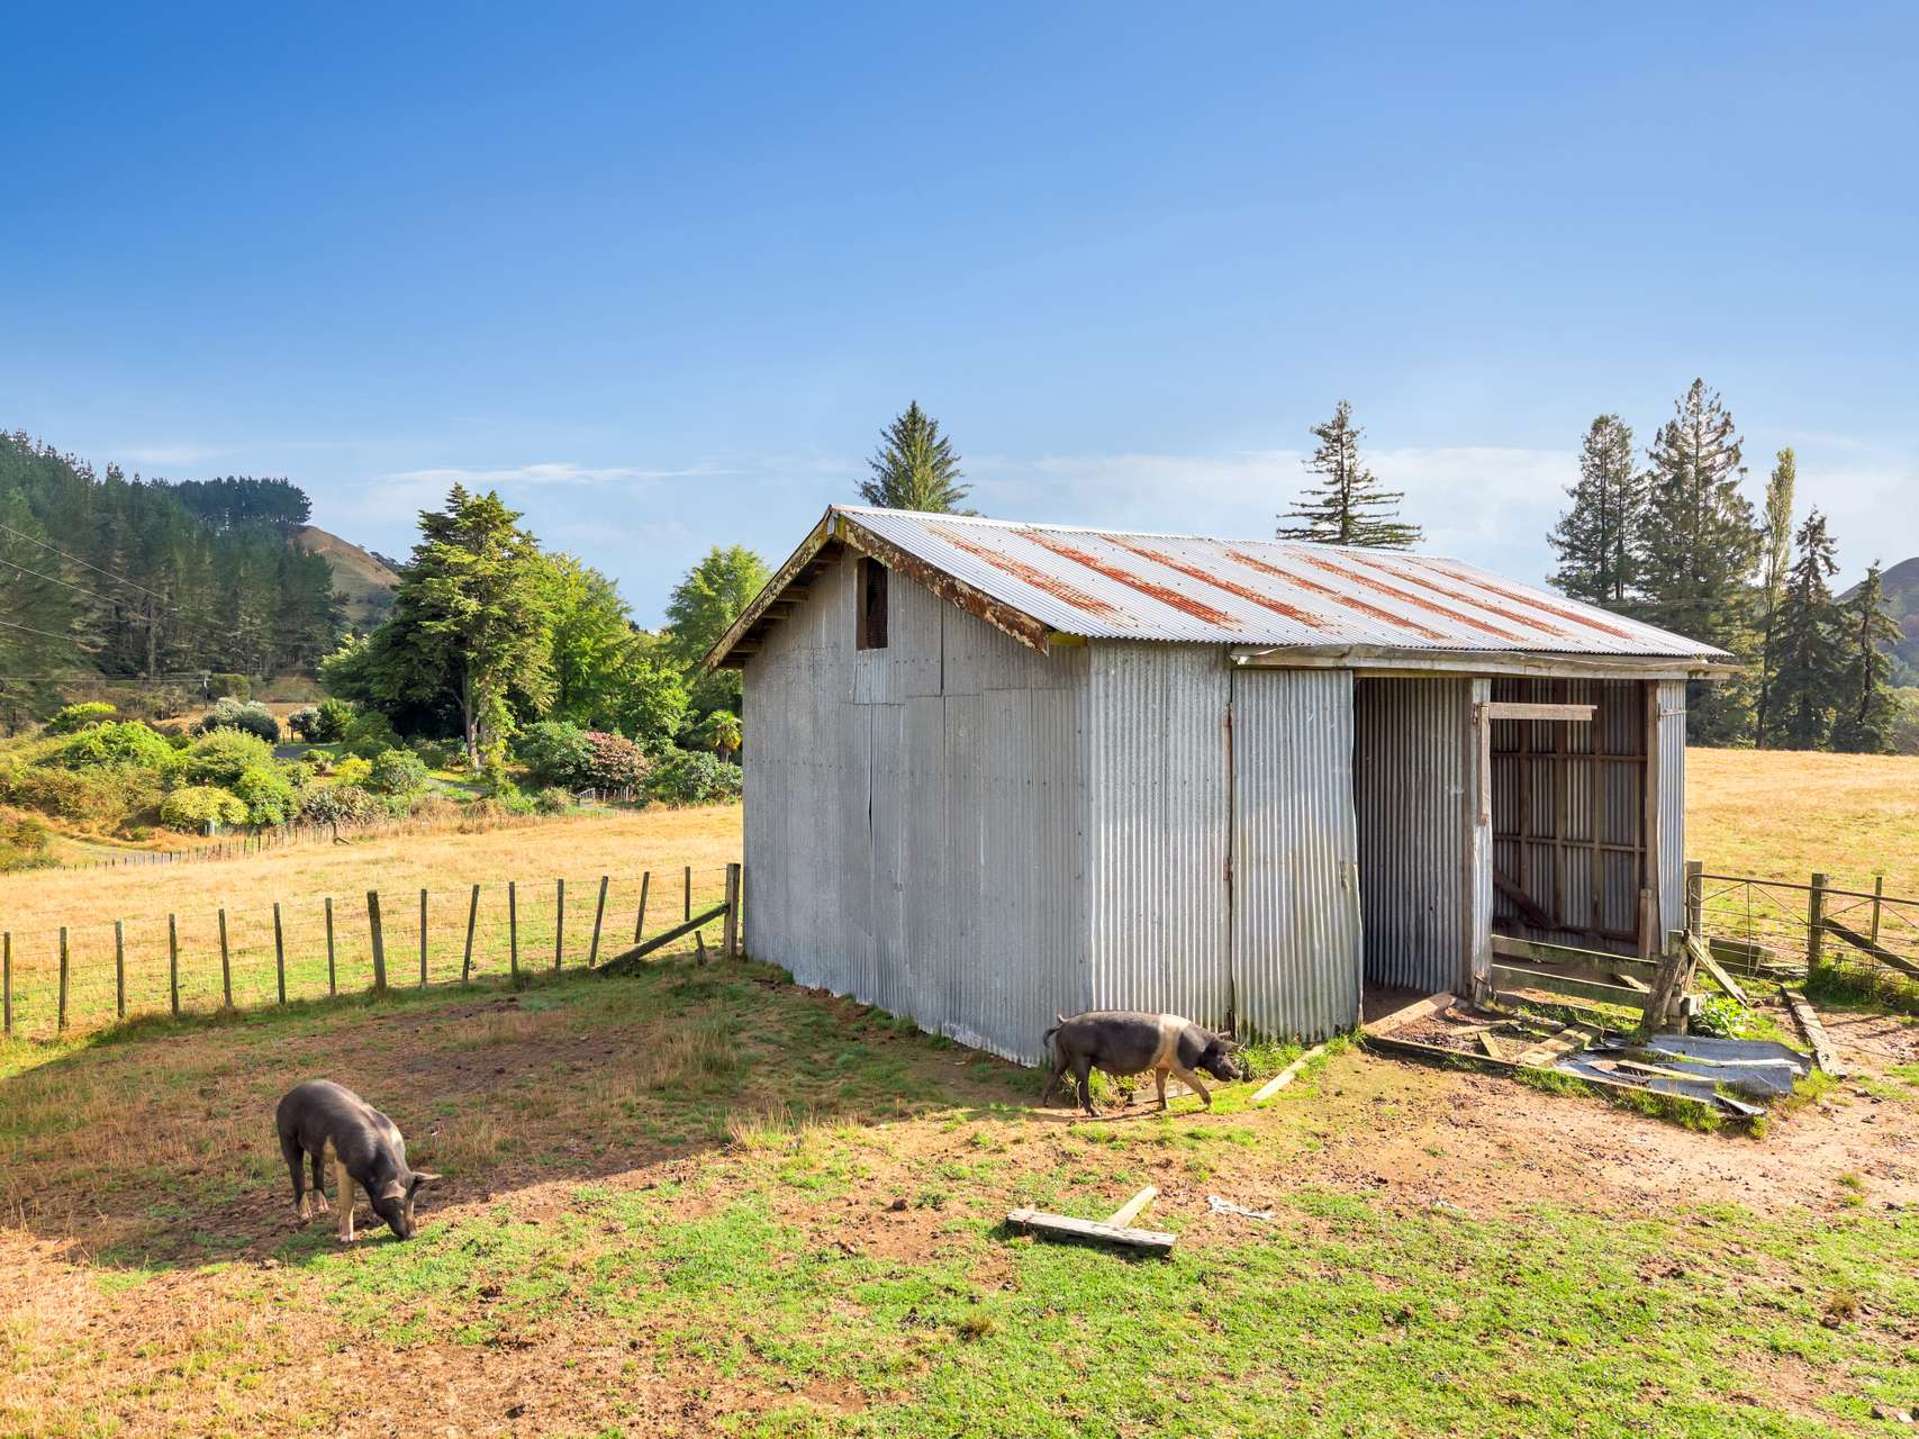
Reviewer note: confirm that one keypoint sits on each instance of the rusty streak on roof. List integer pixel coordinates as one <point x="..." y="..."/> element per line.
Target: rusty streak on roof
<point x="1447" y="567"/>
<point x="1019" y="569"/>
<point x="1254" y="563"/>
<point x="1245" y="592"/>
<point x="1184" y="603"/>
<point x="1391" y="592"/>
<point x="1530" y="621"/>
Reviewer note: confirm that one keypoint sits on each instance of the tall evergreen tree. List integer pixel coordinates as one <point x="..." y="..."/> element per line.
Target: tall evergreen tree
<point x="1869" y="708"/>
<point x="1806" y="687"/>
<point x="1697" y="551"/>
<point x="592" y="639"/>
<point x="701" y="609"/>
<point x="1347" y="506"/>
<point x="915" y="467"/>
<point x="1596" y="538"/>
<point x="1772" y="585"/>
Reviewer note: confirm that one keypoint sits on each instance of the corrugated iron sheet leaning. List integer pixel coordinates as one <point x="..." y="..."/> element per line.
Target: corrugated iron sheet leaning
<point x="1051" y="769"/>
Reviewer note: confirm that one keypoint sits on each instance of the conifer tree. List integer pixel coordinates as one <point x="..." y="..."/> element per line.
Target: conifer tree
<point x="1596" y="538"/>
<point x="1869" y="710"/>
<point x="915" y="467"/>
<point x="1806" y="687"/>
<point x="1772" y="585"/>
<point x="1697" y="551"/>
<point x="1347" y="506"/>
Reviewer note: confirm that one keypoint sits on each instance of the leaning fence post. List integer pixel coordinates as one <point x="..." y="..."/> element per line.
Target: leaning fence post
<point x="639" y="919"/>
<point x="379" y="940"/>
<point x="472" y="915"/>
<point x="173" y="964"/>
<point x="599" y="913"/>
<point x="332" y="985"/>
<point x="1695" y="897"/>
<point x="512" y="929"/>
<point x="119" y="969"/>
<point x="730" y="932"/>
<point x="6" y="981"/>
<point x="279" y="954"/>
<point x="423" y="939"/>
<point x="226" y="964"/>
<point x="1816" y="925"/>
<point x="559" y="920"/>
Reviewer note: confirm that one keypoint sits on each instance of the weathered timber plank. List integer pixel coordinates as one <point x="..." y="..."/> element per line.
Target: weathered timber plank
<point x="1810" y="1025"/>
<point x="1123" y="1216"/>
<point x="1400" y="1018"/>
<point x="1879" y="952"/>
<point x="1573" y="1036"/>
<point x="1287" y="1075"/>
<point x="1505" y="946"/>
<point x="1512" y="977"/>
<point x="1090" y="1231"/>
<point x="679" y="931"/>
<point x="1702" y="956"/>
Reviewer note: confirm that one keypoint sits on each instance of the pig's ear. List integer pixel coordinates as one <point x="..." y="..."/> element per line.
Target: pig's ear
<point x="393" y="1189"/>
<point x="424" y="1179"/>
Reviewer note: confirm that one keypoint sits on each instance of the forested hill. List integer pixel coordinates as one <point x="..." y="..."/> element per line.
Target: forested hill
<point x="1902" y="603"/>
<point x="102" y="574"/>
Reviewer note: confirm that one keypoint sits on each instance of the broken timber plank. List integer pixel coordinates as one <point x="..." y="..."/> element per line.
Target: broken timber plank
<point x="1633" y="984"/>
<point x="1090" y="1231"/>
<point x="1703" y="957"/>
<point x="1129" y="1211"/>
<point x="1543" y="1056"/>
<point x="1815" y="1032"/>
<point x="1287" y="1075"/>
<point x="1400" y="1018"/>
<point x="1879" y="952"/>
<point x="640" y="951"/>
<point x="1491" y="1045"/>
<point x="1515" y="977"/>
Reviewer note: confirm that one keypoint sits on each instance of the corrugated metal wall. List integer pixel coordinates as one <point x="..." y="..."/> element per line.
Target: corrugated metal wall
<point x="1296" y="951"/>
<point x="1672" y="806"/>
<point x="1157" y="831"/>
<point x="1412" y="754"/>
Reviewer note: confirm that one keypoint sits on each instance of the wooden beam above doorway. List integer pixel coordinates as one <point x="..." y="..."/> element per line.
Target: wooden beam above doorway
<point x="1512" y="710"/>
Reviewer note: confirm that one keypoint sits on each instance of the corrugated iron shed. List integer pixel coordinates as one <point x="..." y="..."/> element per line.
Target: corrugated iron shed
<point x="1038" y="581"/>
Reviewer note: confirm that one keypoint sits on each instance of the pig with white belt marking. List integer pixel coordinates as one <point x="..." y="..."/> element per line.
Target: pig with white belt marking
<point x="1132" y="1041"/>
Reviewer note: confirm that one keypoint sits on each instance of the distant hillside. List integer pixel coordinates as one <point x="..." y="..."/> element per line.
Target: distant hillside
<point x="1902" y="601"/>
<point x="363" y="577"/>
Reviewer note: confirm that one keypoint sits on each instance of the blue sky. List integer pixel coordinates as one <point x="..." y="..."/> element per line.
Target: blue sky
<point x="661" y="274"/>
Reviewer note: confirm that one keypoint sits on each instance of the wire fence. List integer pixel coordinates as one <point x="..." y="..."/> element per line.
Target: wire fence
<point x="85" y="976"/>
<point x="1784" y="929"/>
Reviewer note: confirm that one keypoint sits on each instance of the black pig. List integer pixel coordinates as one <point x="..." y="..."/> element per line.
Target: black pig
<point x="367" y="1151"/>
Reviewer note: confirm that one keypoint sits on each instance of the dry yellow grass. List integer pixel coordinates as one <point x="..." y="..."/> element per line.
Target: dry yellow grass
<point x="1783" y="815"/>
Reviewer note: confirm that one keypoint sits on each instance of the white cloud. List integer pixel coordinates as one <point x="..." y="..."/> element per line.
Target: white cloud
<point x="551" y="472"/>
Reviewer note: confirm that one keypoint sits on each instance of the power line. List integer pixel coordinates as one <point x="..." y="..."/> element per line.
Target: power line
<point x="91" y="594"/>
<point x="46" y="634"/>
<point x="118" y="579"/>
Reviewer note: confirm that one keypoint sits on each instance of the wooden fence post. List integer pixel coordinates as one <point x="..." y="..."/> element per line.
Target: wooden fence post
<point x="1695" y="897"/>
<point x="639" y="919"/>
<point x="689" y="893"/>
<point x="226" y="964"/>
<point x="379" y="940"/>
<point x="1816" y="926"/>
<point x="423" y="939"/>
<point x="332" y="981"/>
<point x="559" y="920"/>
<point x="6" y="981"/>
<point x="279" y="954"/>
<point x="1878" y="902"/>
<point x="63" y="977"/>
<point x="730" y="933"/>
<point x="512" y="929"/>
<point x="173" y="964"/>
<point x="119" y="969"/>
<point x="472" y="916"/>
<point x="599" y="913"/>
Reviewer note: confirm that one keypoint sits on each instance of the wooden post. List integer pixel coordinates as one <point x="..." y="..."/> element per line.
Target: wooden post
<point x="639" y="919"/>
<point x="6" y="981"/>
<point x="1695" y="897"/>
<point x="559" y="920"/>
<point x="472" y="915"/>
<point x="730" y="932"/>
<point x="423" y="939"/>
<point x="279" y="953"/>
<point x="1878" y="901"/>
<point x="689" y="893"/>
<point x="379" y="940"/>
<point x="599" y="913"/>
<point x="173" y="964"/>
<point x="119" y="969"/>
<point x="512" y="929"/>
<point x="1816" y="925"/>
<point x="63" y="977"/>
<point x="226" y="964"/>
<point x="332" y="981"/>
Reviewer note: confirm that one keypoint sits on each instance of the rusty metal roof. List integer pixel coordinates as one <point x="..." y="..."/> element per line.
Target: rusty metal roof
<point x="1032" y="579"/>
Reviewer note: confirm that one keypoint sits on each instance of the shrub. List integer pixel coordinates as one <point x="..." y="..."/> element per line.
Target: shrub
<point x="327" y="721"/>
<point x="614" y="761"/>
<point x="367" y="734"/>
<point x="556" y="752"/>
<point x="270" y="797"/>
<point x="352" y="770"/>
<point x="552" y="800"/>
<point x="117" y="744"/>
<point x="433" y="807"/>
<point x="255" y="719"/>
<point x="105" y="797"/>
<point x="197" y="806"/>
<point x="438" y="753"/>
<point x="300" y="723"/>
<point x="23" y="844"/>
<point x="340" y="804"/>
<point x="229" y="686"/>
<point x="397" y="771"/>
<point x="684" y="777"/>
<point x="79" y="716"/>
<point x="221" y="757"/>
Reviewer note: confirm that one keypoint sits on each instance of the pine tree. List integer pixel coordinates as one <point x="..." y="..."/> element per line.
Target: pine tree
<point x="1807" y="684"/>
<point x="1347" y="507"/>
<point x="1697" y="551"/>
<point x="1772" y="586"/>
<point x="1869" y="709"/>
<point x="915" y="467"/>
<point x="1596" y="538"/>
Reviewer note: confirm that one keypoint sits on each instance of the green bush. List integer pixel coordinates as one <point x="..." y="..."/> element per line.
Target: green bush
<point x="552" y="800"/>
<point x="397" y="771"/>
<point x="268" y="794"/>
<point x="339" y="804"/>
<point x="438" y="753"/>
<point x="255" y="719"/>
<point x="326" y="722"/>
<point x="301" y="722"/>
<point x="352" y="770"/>
<point x="23" y="844"/>
<point x="368" y="734"/>
<point x="237" y="687"/>
<point x="221" y="757"/>
<point x="555" y="752"/>
<point x="117" y="744"/>
<point x="684" y="777"/>
<point x="195" y="807"/>
<point x="105" y="797"/>
<point x="79" y="716"/>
